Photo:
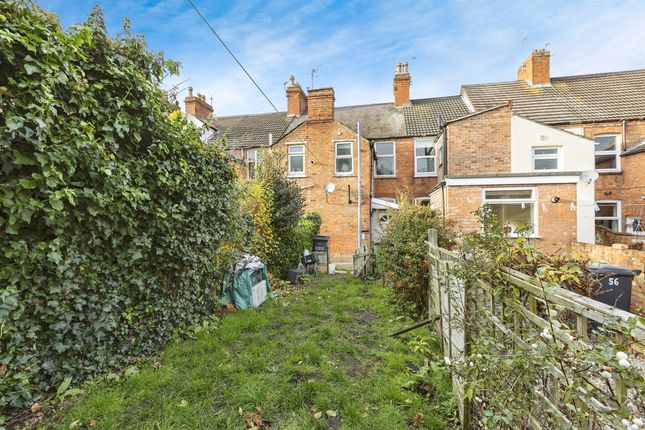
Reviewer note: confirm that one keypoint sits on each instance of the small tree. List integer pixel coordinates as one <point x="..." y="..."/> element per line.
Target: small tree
<point x="404" y="252"/>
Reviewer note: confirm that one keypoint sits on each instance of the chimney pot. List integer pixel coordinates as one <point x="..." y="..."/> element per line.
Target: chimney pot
<point x="401" y="85"/>
<point x="197" y="105"/>
<point x="296" y="98"/>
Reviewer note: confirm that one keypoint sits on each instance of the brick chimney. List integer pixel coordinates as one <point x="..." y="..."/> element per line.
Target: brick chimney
<point x="321" y="104"/>
<point x="197" y="105"/>
<point x="296" y="98"/>
<point x="536" y="69"/>
<point x="401" y="85"/>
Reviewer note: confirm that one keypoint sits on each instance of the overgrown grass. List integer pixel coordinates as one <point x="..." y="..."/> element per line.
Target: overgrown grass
<point x="316" y="357"/>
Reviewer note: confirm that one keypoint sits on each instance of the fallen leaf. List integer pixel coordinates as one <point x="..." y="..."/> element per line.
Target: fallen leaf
<point x="75" y="424"/>
<point x="91" y="422"/>
<point x="35" y="407"/>
<point x="182" y="404"/>
<point x="240" y="410"/>
<point x="317" y="415"/>
<point x="157" y="365"/>
<point x="331" y="413"/>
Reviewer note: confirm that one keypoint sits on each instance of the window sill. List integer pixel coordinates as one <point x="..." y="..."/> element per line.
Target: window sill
<point x="425" y="175"/>
<point x="609" y="172"/>
<point x="385" y="177"/>
<point x="296" y="176"/>
<point x="344" y="175"/>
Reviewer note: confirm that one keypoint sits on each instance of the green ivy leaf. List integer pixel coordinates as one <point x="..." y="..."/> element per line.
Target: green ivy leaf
<point x="28" y="183"/>
<point x="22" y="160"/>
<point x="56" y="204"/>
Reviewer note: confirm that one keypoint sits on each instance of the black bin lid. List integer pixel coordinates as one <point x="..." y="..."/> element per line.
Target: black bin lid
<point x="606" y="269"/>
<point x="321" y="238"/>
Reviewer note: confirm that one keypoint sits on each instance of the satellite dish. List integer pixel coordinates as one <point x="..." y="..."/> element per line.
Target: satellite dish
<point x="588" y="176"/>
<point x="329" y="187"/>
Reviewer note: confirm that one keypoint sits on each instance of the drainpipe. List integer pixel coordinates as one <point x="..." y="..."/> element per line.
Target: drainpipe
<point x="371" y="144"/>
<point x="360" y="199"/>
<point x="444" y="168"/>
<point x="624" y="135"/>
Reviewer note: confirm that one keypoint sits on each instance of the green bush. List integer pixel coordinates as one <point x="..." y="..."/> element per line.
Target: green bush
<point x="111" y="210"/>
<point x="273" y="205"/>
<point x="403" y="253"/>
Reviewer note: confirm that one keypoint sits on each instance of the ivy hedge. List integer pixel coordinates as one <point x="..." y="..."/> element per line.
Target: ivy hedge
<point x="111" y="209"/>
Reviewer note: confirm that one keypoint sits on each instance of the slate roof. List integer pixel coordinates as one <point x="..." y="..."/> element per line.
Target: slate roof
<point x="378" y="121"/>
<point x="635" y="149"/>
<point x="249" y="131"/>
<point x="595" y="97"/>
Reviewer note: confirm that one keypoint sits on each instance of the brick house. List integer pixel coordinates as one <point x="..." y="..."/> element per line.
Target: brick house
<point x="543" y="144"/>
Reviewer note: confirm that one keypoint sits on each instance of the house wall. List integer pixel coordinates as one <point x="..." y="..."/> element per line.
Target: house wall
<point x="626" y="185"/>
<point x="480" y="143"/>
<point x="405" y="183"/>
<point x="576" y="152"/>
<point x="339" y="216"/>
<point x="556" y="221"/>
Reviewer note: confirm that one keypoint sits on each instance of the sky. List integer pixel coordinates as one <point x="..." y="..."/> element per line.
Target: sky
<point x="355" y="45"/>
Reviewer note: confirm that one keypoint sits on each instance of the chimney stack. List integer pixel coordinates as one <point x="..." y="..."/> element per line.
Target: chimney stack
<point x="197" y="105"/>
<point x="321" y="104"/>
<point x="536" y="69"/>
<point x="296" y="98"/>
<point x="401" y="85"/>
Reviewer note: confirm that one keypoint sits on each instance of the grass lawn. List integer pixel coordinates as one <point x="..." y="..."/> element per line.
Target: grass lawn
<point x="316" y="357"/>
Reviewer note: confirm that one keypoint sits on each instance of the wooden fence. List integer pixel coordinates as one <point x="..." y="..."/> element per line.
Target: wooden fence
<point x="447" y="300"/>
<point x="364" y="262"/>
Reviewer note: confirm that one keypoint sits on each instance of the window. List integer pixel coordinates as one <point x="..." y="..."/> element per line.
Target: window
<point x="344" y="158"/>
<point x="385" y="159"/>
<point x="424" y="158"/>
<point x="514" y="207"/>
<point x="608" y="214"/>
<point x="422" y="201"/>
<point x="546" y="158"/>
<point x="251" y="162"/>
<point x="607" y="152"/>
<point x="296" y="160"/>
<point x="634" y="224"/>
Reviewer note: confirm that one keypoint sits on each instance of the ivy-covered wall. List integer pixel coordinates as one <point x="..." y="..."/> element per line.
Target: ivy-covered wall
<point x="111" y="210"/>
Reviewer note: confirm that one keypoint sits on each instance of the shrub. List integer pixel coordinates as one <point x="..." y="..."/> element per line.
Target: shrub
<point x="111" y="210"/>
<point x="403" y="253"/>
<point x="274" y="206"/>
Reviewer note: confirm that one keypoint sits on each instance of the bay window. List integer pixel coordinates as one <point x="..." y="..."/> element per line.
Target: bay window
<point x="515" y="208"/>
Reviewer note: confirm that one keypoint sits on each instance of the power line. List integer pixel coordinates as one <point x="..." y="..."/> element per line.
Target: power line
<point x="249" y="75"/>
<point x="232" y="55"/>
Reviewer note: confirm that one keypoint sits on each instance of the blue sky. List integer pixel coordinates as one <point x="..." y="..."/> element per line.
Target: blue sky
<point x="358" y="43"/>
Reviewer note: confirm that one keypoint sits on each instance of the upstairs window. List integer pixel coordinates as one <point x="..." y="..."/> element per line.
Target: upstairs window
<point x="514" y="207"/>
<point x="607" y="152"/>
<point x="425" y="158"/>
<point x="608" y="214"/>
<point x="296" y="160"/>
<point x="344" y="158"/>
<point x="251" y="162"/>
<point x="546" y="159"/>
<point x="385" y="159"/>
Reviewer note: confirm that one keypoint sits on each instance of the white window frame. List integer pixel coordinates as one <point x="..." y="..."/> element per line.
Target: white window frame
<point x="250" y="160"/>
<point x="533" y="200"/>
<point x="618" y="217"/>
<point x="376" y="175"/>
<point x="291" y="174"/>
<point x="615" y="152"/>
<point x="418" y="200"/>
<point x="557" y="157"/>
<point x="418" y="174"/>
<point x="344" y="157"/>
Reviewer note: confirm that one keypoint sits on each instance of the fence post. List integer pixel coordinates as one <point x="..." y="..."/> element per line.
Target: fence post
<point x="432" y="236"/>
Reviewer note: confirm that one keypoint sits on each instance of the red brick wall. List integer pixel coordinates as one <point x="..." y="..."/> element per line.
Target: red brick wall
<point x="556" y="224"/>
<point x="404" y="183"/>
<point x="630" y="258"/>
<point x="320" y="104"/>
<point x="339" y="217"/>
<point x="633" y="185"/>
<point x="480" y="143"/>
